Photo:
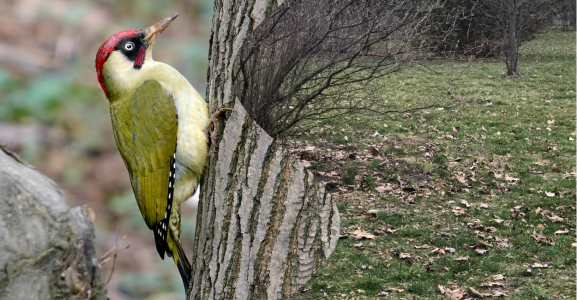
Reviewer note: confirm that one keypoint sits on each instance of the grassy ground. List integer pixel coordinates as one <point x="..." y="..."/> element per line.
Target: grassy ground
<point x="480" y="195"/>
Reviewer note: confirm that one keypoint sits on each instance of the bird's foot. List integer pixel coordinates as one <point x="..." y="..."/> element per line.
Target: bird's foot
<point x="174" y="223"/>
<point x="214" y="123"/>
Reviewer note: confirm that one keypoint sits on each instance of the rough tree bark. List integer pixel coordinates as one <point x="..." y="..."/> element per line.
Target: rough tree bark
<point x="264" y="223"/>
<point x="46" y="248"/>
<point x="513" y="55"/>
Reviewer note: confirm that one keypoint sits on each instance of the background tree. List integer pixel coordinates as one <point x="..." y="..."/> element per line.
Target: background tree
<point x="568" y="15"/>
<point x="493" y="27"/>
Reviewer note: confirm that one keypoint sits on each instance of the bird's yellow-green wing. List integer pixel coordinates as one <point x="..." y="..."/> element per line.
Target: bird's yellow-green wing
<point x="145" y="129"/>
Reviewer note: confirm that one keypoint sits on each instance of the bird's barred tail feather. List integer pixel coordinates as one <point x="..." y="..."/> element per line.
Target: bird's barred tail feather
<point x="177" y="253"/>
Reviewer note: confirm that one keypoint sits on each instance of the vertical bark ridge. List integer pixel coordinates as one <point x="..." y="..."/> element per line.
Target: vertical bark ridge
<point x="264" y="223"/>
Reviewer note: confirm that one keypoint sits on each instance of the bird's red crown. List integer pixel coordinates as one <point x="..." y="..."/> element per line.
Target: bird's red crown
<point x="107" y="48"/>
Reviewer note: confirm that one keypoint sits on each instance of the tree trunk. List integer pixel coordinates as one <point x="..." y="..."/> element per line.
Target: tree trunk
<point x="264" y="224"/>
<point x="46" y="248"/>
<point x="513" y="54"/>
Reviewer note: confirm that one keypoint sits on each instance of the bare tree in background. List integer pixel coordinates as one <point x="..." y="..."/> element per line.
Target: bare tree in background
<point x="513" y="22"/>
<point x="313" y="60"/>
<point x="493" y="27"/>
<point x="568" y="15"/>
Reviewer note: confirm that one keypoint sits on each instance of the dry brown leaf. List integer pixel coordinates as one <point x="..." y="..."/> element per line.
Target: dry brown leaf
<point x="498" y="293"/>
<point x="438" y="251"/>
<point x="373" y="150"/>
<point x="396" y="290"/>
<point x="541" y="238"/>
<point x="491" y="284"/>
<point x="498" y="277"/>
<point x="361" y="234"/>
<point x="358" y="245"/>
<point x="461" y="178"/>
<point x="384" y="188"/>
<point x="456" y="294"/>
<point x="549" y="215"/>
<point x="458" y="211"/>
<point x="384" y="230"/>
<point x="483" y="205"/>
<point x="541" y="162"/>
<point x="425" y="246"/>
<point x="555" y="218"/>
<point x="539" y="266"/>
<point x="405" y="255"/>
<point x="511" y="179"/>
<point x="548" y="194"/>
<point x="481" y="251"/>
<point x="562" y="231"/>
<point x="461" y="258"/>
<point x="478" y="294"/>
<point x="490" y="229"/>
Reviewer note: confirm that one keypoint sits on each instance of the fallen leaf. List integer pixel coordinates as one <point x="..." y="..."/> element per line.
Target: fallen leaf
<point x="540" y="266"/>
<point x="425" y="246"/>
<point x="396" y="290"/>
<point x="358" y="245"/>
<point x="550" y="194"/>
<point x="461" y="258"/>
<point x="361" y="234"/>
<point x="511" y="179"/>
<point x="438" y="251"/>
<point x="384" y="230"/>
<point x="481" y="251"/>
<point x="461" y="179"/>
<point x="491" y="284"/>
<point x="374" y="151"/>
<point x="483" y="205"/>
<point x="478" y="294"/>
<point x="404" y="255"/>
<point x="384" y="188"/>
<point x="456" y="294"/>
<point x="555" y="218"/>
<point x="562" y="231"/>
<point x="541" y="238"/>
<point x="497" y="293"/>
<point x="458" y="211"/>
<point x="498" y="277"/>
<point x="549" y="215"/>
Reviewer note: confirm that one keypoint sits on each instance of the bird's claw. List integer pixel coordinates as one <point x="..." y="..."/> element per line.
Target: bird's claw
<point x="214" y="123"/>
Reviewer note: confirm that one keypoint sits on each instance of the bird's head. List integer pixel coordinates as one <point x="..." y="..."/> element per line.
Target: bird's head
<point x="128" y="50"/>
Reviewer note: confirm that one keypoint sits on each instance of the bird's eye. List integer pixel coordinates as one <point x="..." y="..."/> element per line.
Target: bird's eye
<point x="129" y="46"/>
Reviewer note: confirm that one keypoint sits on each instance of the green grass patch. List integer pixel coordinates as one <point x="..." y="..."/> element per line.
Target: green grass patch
<point x="482" y="188"/>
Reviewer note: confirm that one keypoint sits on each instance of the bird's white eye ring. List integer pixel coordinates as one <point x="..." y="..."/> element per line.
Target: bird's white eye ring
<point x="129" y="46"/>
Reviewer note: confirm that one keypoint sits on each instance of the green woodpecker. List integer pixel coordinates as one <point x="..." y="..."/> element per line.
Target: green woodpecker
<point x="158" y="120"/>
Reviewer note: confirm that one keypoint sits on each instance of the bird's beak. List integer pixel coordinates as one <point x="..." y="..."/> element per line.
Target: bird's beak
<point x="153" y="31"/>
